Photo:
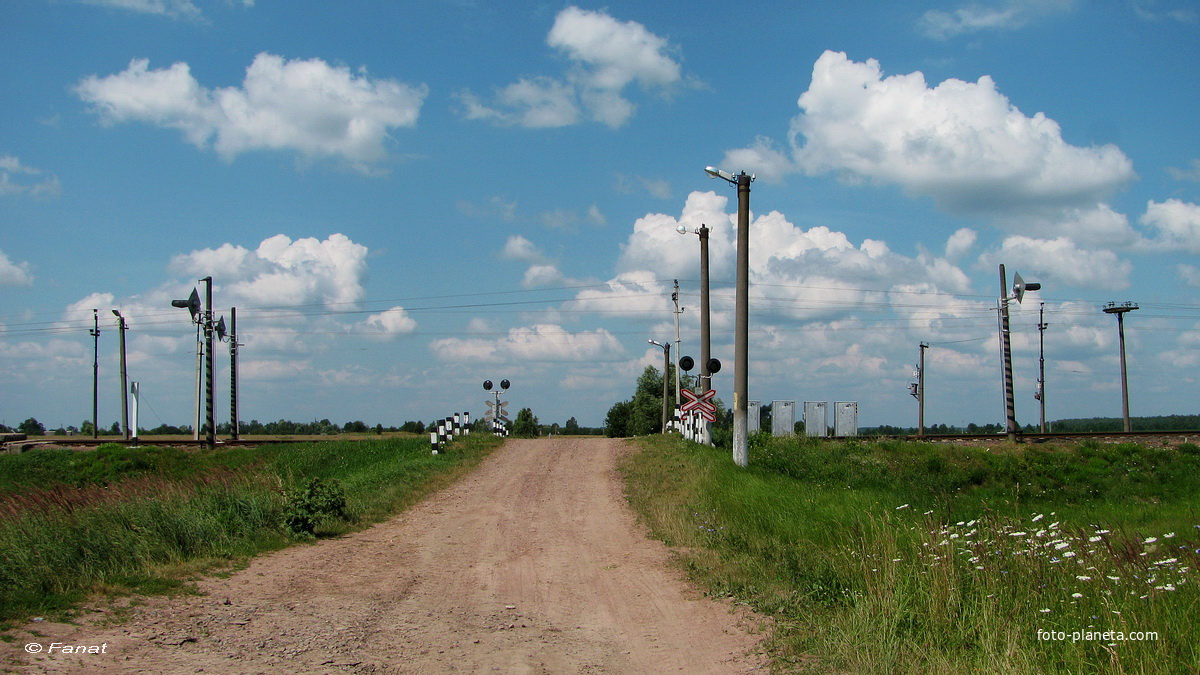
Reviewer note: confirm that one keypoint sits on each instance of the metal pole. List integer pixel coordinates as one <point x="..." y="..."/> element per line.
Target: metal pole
<point x="233" y="375"/>
<point x="210" y="435"/>
<point x="921" y="392"/>
<point x="666" y="386"/>
<point x="196" y="390"/>
<point x="1010" y="406"/>
<point x="675" y="299"/>
<point x="1042" y="364"/>
<point x="95" y="371"/>
<point x="705" y="338"/>
<point x="741" y="361"/>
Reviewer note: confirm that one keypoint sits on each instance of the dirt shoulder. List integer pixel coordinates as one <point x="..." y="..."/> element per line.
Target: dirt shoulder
<point x="533" y="563"/>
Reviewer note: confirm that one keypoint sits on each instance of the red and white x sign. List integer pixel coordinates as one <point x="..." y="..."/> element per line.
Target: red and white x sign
<point x="700" y="404"/>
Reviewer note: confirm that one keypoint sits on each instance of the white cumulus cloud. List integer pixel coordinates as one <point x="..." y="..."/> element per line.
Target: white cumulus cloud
<point x="539" y="342"/>
<point x="961" y="143"/>
<point x="389" y="323"/>
<point x="1060" y="261"/>
<point x="14" y="273"/>
<point x="306" y="106"/>
<point x="606" y="56"/>
<point x="1177" y="222"/>
<point x="282" y="271"/>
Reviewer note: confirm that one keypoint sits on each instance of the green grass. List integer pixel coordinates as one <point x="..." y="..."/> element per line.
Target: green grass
<point x="119" y="520"/>
<point x="915" y="558"/>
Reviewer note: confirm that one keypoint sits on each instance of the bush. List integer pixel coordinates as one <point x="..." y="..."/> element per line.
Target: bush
<point x="312" y="503"/>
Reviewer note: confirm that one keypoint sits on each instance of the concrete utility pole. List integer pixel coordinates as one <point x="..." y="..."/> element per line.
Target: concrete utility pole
<point x="705" y="380"/>
<point x="666" y="394"/>
<point x="95" y="332"/>
<point x="741" y="312"/>
<point x="122" y="326"/>
<point x="921" y="391"/>
<point x="1120" y="310"/>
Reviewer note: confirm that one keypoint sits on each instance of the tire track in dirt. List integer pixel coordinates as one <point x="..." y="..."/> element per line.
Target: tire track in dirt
<point x="533" y="563"/>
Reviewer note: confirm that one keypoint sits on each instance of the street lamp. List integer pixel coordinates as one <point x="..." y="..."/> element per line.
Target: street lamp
<point x="666" y="386"/>
<point x="1120" y="311"/>
<point x="741" y="311"/>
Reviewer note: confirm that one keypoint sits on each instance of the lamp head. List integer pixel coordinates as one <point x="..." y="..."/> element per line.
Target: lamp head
<point x="682" y="229"/>
<point x="714" y="172"/>
<point x="1020" y="286"/>
<point x="192" y="304"/>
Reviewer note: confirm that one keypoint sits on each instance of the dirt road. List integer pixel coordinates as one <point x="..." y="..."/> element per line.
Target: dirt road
<point x="533" y="563"/>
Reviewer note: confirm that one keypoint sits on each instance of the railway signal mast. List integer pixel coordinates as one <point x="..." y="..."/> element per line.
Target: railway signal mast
<point x="1018" y="293"/>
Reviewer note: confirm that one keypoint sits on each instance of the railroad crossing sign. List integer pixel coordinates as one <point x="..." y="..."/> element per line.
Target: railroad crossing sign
<point x="699" y="403"/>
<point x="494" y="414"/>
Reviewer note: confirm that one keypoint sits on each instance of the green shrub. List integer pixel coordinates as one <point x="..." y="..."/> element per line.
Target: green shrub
<point x="313" y="503"/>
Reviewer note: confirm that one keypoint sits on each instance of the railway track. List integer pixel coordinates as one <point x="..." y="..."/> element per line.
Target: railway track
<point x="17" y="445"/>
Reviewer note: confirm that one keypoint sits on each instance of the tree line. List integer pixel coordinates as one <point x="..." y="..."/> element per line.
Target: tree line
<point x="525" y="425"/>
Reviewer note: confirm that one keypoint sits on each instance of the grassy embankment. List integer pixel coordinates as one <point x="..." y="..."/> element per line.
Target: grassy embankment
<point x="118" y="520"/>
<point x="902" y="557"/>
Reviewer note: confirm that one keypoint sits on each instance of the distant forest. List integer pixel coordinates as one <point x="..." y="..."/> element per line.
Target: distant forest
<point x="31" y="427"/>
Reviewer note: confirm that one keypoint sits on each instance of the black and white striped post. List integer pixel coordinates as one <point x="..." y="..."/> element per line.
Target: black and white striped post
<point x="1019" y="288"/>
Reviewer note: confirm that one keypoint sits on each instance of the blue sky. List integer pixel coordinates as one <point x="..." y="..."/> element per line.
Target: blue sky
<point x="404" y="199"/>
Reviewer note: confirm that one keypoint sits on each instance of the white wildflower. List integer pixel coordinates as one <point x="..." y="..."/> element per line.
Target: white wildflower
<point x="1150" y="540"/>
<point x="1082" y="577"/>
<point x="902" y="506"/>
